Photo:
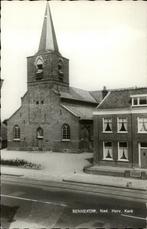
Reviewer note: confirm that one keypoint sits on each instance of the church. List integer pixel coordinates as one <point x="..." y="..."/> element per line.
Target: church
<point x="53" y="115"/>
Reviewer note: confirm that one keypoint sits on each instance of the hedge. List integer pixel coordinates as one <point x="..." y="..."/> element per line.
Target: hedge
<point x="20" y="163"/>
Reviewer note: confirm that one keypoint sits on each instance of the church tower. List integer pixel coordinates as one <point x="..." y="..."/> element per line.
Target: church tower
<point x="53" y="116"/>
<point x="48" y="66"/>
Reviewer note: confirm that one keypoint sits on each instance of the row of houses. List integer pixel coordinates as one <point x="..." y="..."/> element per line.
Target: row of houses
<point x="120" y="128"/>
<point x="55" y="116"/>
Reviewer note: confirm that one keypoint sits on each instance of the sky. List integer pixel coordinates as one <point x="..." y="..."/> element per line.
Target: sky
<point x="105" y="42"/>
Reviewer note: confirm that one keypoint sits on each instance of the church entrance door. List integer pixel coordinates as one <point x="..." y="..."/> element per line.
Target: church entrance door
<point x="40" y="144"/>
<point x="86" y="133"/>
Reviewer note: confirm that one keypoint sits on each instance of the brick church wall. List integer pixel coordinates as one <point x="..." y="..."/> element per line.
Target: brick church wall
<point x="50" y="116"/>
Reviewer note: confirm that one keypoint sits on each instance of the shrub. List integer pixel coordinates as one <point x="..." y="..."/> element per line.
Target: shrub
<point x="20" y="163"/>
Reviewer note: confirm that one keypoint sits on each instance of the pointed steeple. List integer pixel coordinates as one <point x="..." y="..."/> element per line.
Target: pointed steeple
<point x="48" y="39"/>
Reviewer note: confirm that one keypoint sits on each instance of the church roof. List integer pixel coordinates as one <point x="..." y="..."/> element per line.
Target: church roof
<point x="48" y="39"/>
<point x="120" y="98"/>
<point x="80" y="111"/>
<point x="75" y="101"/>
<point x="97" y="95"/>
<point x="82" y="95"/>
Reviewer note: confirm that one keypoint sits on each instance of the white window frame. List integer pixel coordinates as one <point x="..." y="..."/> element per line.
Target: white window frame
<point x="138" y="121"/>
<point x="119" y="156"/>
<point x="104" y="120"/>
<point x="138" y="97"/>
<point x="118" y="123"/>
<point x="104" y="154"/>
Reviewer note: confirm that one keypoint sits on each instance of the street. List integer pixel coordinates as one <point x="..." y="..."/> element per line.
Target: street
<point x="26" y="206"/>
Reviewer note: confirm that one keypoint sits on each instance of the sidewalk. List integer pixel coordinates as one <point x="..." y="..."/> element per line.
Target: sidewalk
<point x="65" y="167"/>
<point x="77" y="177"/>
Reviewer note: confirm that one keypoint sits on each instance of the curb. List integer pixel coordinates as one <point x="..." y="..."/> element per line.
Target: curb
<point x="99" y="190"/>
<point x="81" y="182"/>
<point x="106" y="185"/>
<point x="8" y="174"/>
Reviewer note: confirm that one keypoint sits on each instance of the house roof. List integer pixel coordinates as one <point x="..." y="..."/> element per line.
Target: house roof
<point x="80" y="111"/>
<point x="82" y="95"/>
<point x="120" y="98"/>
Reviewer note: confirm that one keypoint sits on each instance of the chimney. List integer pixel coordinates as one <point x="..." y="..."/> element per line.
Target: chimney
<point x="104" y="91"/>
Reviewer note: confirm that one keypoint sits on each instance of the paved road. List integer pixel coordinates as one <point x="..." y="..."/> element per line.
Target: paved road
<point x="50" y="207"/>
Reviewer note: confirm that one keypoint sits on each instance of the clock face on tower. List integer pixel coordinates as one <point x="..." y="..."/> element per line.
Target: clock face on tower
<point x="39" y="62"/>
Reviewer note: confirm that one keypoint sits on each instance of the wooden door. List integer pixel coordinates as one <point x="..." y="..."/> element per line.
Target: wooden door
<point x="40" y="144"/>
<point x="143" y="157"/>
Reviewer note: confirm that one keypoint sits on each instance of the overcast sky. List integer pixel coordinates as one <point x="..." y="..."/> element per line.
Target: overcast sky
<point x="105" y="41"/>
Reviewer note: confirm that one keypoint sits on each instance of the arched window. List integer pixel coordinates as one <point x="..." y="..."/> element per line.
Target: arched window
<point x="65" y="132"/>
<point x="39" y="67"/>
<point x="16" y="132"/>
<point x="60" y="69"/>
<point x="39" y="132"/>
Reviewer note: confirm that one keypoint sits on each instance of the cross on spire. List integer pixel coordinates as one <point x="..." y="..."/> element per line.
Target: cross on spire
<point x="48" y="39"/>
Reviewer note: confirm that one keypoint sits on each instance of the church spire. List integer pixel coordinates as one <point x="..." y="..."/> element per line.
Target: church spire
<point x="48" y="37"/>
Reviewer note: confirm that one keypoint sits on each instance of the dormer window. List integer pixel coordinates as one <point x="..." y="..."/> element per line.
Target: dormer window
<point x="139" y="100"/>
<point x="143" y="101"/>
<point x="134" y="102"/>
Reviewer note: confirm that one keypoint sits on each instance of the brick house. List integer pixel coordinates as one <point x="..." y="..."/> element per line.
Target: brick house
<point x="120" y="129"/>
<point x="53" y="115"/>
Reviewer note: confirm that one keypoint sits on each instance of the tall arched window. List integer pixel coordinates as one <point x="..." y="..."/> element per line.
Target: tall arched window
<point x="39" y="67"/>
<point x="39" y="133"/>
<point x="16" y="132"/>
<point x="65" y="132"/>
<point x="60" y="69"/>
